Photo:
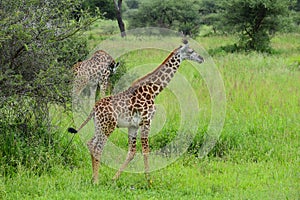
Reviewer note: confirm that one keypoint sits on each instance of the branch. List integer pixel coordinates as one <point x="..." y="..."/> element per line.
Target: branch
<point x="117" y="4"/>
<point x="67" y="35"/>
<point x="248" y="32"/>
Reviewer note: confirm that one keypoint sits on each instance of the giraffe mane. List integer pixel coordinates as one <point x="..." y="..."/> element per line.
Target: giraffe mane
<point x="156" y="69"/>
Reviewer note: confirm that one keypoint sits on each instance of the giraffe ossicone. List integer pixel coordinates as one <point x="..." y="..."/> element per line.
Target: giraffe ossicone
<point x="133" y="108"/>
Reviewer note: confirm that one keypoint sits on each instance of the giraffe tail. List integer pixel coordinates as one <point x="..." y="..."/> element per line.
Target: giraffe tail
<point x="74" y="131"/>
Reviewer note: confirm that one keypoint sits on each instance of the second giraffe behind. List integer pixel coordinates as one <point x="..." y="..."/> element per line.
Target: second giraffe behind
<point x="133" y="108"/>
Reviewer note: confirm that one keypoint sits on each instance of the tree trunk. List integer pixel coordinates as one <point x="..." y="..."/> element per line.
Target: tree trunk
<point x="118" y="6"/>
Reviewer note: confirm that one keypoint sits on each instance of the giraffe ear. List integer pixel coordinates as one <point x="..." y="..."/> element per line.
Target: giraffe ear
<point x="185" y="44"/>
<point x="185" y="41"/>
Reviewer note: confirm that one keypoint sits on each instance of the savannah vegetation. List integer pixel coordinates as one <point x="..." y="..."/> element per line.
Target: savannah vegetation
<point x="257" y="154"/>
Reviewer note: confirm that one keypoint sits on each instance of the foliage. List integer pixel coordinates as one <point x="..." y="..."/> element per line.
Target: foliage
<point x="110" y="9"/>
<point x="172" y="14"/>
<point x="106" y="7"/>
<point x="295" y="16"/>
<point x="39" y="41"/>
<point x="210" y="13"/>
<point x="132" y="4"/>
<point x="35" y="147"/>
<point x="121" y="71"/>
<point x="256" y="21"/>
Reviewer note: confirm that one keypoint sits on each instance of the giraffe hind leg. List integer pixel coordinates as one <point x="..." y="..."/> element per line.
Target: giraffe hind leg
<point x="95" y="165"/>
<point x="96" y="145"/>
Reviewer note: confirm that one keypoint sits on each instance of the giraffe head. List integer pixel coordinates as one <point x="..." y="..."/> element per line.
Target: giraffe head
<point x="113" y="66"/>
<point x="105" y="57"/>
<point x="187" y="53"/>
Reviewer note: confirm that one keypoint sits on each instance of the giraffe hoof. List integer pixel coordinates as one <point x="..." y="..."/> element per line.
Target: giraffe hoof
<point x="115" y="178"/>
<point x="150" y="182"/>
<point x="95" y="182"/>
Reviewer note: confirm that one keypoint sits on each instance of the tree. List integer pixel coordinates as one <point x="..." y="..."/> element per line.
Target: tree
<point x="110" y="10"/>
<point x="118" y="7"/>
<point x="132" y="4"/>
<point x="104" y="6"/>
<point x="297" y="6"/>
<point x="295" y="10"/>
<point x="255" y="20"/>
<point x="40" y="41"/>
<point x="210" y="13"/>
<point x="182" y="16"/>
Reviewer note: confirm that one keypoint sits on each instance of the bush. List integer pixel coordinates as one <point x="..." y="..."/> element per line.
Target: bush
<point x="24" y="143"/>
<point x="40" y="41"/>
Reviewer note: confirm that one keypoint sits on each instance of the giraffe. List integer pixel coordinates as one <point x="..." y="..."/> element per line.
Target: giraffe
<point x="133" y="108"/>
<point x="94" y="71"/>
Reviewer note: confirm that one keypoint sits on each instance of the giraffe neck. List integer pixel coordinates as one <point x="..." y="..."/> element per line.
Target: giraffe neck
<point x="159" y="78"/>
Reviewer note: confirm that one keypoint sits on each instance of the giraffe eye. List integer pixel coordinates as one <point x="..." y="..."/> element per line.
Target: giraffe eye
<point x="190" y="50"/>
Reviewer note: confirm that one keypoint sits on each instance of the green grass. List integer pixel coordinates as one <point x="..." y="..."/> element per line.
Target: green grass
<point x="185" y="179"/>
<point x="256" y="157"/>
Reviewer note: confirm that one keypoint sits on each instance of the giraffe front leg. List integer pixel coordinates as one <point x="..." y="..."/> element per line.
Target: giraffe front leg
<point x="93" y="90"/>
<point x="132" y="132"/>
<point x="146" y="149"/>
<point x="103" y="87"/>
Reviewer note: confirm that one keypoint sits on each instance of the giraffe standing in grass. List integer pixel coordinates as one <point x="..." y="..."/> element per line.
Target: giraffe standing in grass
<point x="133" y="108"/>
<point x="94" y="71"/>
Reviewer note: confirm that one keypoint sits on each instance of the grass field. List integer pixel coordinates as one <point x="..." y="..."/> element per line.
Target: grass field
<point x="256" y="157"/>
<point x="185" y="179"/>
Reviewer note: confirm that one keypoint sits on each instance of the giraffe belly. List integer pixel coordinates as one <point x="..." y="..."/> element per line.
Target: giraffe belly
<point x="132" y="121"/>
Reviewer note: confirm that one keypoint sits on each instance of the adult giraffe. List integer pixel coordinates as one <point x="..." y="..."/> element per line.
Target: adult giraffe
<point x="133" y="108"/>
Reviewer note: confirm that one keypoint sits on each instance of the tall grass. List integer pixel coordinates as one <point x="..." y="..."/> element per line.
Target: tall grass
<point x="262" y="119"/>
<point x="262" y="93"/>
